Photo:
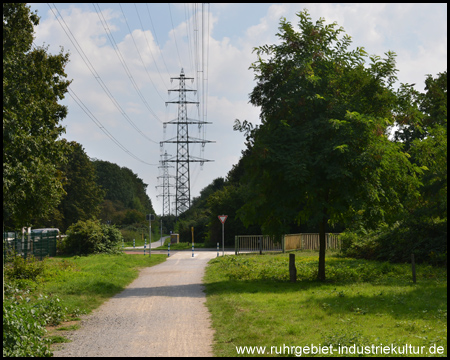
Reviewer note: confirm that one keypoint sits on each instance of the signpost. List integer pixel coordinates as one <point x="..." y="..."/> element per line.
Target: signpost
<point x="222" y="219"/>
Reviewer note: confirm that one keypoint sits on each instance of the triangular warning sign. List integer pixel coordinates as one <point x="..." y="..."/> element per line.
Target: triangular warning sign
<point x="223" y="218"/>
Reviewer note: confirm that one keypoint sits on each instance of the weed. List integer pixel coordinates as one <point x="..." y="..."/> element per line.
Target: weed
<point x="57" y="339"/>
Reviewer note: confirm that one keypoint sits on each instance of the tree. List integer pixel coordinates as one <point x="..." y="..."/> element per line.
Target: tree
<point x="124" y="190"/>
<point x="84" y="196"/>
<point x="33" y="82"/>
<point x="322" y="154"/>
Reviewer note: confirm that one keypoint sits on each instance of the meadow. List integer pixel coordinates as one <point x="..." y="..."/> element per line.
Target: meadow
<point x="362" y="302"/>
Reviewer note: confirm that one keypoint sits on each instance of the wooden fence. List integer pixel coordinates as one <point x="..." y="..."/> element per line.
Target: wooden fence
<point x="265" y="243"/>
<point x="307" y="241"/>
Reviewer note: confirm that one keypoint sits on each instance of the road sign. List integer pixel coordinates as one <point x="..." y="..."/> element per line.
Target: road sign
<point x="223" y="218"/>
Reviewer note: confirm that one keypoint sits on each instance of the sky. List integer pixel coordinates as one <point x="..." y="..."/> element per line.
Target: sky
<point x="123" y="56"/>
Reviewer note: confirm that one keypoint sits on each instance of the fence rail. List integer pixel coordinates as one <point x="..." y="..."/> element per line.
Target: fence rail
<point x="39" y="245"/>
<point x="257" y="243"/>
<point x="304" y="241"/>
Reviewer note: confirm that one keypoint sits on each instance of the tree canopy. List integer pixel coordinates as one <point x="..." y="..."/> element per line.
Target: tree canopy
<point x="322" y="154"/>
<point x="84" y="195"/>
<point x="126" y="199"/>
<point x="33" y="83"/>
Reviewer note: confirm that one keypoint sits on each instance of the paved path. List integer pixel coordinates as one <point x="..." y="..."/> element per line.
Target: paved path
<point x="161" y="313"/>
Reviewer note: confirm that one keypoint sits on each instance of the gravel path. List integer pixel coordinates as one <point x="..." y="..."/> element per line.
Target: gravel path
<point x="161" y="313"/>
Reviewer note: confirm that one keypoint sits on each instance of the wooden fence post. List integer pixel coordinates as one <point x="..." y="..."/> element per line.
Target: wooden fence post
<point x="292" y="269"/>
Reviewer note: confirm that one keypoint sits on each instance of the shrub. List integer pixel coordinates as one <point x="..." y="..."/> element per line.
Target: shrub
<point x="425" y="238"/>
<point x="23" y="332"/>
<point x="21" y="268"/>
<point x="89" y="237"/>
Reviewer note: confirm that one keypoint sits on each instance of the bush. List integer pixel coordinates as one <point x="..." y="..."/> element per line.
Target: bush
<point x="23" y="332"/>
<point x="29" y="268"/>
<point x="24" y="322"/>
<point x="425" y="238"/>
<point x="91" y="237"/>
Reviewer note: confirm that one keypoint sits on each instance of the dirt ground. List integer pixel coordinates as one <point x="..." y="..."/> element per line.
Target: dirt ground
<point x="161" y="313"/>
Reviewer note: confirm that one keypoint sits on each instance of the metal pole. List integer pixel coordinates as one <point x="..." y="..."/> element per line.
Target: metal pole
<point x="161" y="232"/>
<point x="217" y="249"/>
<point x="223" y="241"/>
<point x="150" y="241"/>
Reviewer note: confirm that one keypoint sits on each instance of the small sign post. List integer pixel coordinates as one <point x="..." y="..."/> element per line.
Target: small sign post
<point x="222" y="219"/>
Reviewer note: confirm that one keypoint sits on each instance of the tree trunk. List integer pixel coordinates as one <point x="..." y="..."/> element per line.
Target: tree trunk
<point x="322" y="245"/>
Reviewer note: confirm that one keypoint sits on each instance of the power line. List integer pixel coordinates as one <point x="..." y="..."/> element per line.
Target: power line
<point x="83" y="107"/>
<point x="137" y="49"/>
<point x="94" y="73"/>
<point x="122" y="60"/>
<point x="188" y="28"/>
<point x="156" y="38"/>
<point x="102" y="128"/>
<point x="174" y="36"/>
<point x="148" y="45"/>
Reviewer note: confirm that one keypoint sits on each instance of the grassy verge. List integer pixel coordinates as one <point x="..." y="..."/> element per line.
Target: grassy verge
<point x="86" y="282"/>
<point x="54" y="292"/>
<point x="363" y="302"/>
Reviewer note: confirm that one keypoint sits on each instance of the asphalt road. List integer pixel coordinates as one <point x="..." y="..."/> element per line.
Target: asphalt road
<point x="161" y="313"/>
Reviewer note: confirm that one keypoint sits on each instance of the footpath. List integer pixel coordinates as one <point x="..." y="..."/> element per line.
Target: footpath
<point x="161" y="313"/>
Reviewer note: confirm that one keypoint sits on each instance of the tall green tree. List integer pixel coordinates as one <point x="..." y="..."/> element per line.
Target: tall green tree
<point x="84" y="196"/>
<point x="33" y="82"/>
<point x="322" y="154"/>
<point x="124" y="191"/>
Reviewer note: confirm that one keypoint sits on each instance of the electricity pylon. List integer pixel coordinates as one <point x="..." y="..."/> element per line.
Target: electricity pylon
<point x="183" y="191"/>
<point x="166" y="185"/>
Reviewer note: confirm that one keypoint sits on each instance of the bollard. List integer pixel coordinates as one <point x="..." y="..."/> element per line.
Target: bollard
<point x="133" y="243"/>
<point x="217" y="249"/>
<point x="168" y="250"/>
<point x="292" y="269"/>
<point x="145" y="244"/>
<point x="192" y="249"/>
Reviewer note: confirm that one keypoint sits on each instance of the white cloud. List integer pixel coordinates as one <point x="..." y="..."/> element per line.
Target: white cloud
<point x="417" y="32"/>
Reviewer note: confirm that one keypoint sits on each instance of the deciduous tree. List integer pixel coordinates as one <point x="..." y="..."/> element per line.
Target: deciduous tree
<point x="322" y="154"/>
<point x="33" y="83"/>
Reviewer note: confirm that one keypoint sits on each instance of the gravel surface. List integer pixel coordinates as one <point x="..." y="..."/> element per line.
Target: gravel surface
<point x="161" y="313"/>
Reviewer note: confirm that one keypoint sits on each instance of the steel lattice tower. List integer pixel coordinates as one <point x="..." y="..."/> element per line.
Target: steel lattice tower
<point x="166" y="185"/>
<point x="183" y="192"/>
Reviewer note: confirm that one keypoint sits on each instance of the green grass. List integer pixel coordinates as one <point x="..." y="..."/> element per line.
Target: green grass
<point x="86" y="282"/>
<point x="362" y="302"/>
<point x="57" y="339"/>
<point x="68" y="328"/>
